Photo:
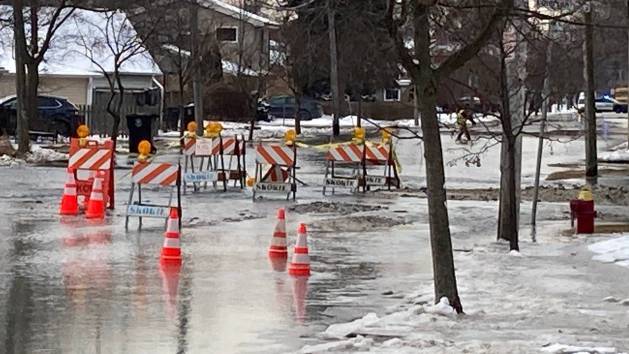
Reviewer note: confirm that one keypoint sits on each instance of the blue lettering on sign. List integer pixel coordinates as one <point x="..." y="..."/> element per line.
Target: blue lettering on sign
<point x="196" y="177"/>
<point x="147" y="211"/>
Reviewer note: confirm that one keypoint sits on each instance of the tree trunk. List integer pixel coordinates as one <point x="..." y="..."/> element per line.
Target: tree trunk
<point x="20" y="78"/>
<point x="513" y="94"/>
<point x="591" y="165"/>
<point x="182" y="118"/>
<point x="197" y="85"/>
<point x="334" y="75"/>
<point x="426" y="84"/>
<point x="30" y="97"/>
<point x="360" y="110"/>
<point x="298" y="115"/>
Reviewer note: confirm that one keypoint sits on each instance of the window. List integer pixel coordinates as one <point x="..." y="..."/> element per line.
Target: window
<point x="392" y="95"/>
<point x="227" y="34"/>
<point x="47" y="102"/>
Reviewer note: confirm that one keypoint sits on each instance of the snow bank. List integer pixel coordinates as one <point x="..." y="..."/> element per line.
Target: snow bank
<point x="342" y="330"/>
<point x="41" y="155"/>
<point x="8" y="161"/>
<point x="615" y="250"/>
<point x="614" y="156"/>
<point x="441" y="308"/>
<point x="570" y="349"/>
<point x="37" y="155"/>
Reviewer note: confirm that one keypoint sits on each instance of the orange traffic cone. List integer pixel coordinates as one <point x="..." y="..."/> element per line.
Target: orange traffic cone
<point x="300" y="266"/>
<point x="278" y="242"/>
<point x="96" y="204"/>
<point x="69" y="201"/>
<point x="171" y="251"/>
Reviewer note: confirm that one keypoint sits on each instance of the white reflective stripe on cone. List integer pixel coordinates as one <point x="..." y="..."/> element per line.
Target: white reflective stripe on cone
<point x="171" y="242"/>
<point x="301" y="258"/>
<point x="172" y="224"/>
<point x="278" y="241"/>
<point x="302" y="241"/>
<point x="69" y="190"/>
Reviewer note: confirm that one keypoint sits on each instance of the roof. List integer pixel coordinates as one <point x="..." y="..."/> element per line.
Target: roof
<point x="228" y="66"/>
<point x="237" y="13"/>
<point x="68" y="53"/>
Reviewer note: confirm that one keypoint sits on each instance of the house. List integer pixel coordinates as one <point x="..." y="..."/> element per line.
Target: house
<point x="74" y="66"/>
<point x="233" y="43"/>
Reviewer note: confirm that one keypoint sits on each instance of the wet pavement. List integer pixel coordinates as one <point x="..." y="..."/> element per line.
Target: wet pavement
<point x="70" y="286"/>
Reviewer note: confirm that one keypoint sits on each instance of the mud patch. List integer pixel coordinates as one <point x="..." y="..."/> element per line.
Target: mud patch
<point x="358" y="223"/>
<point x="337" y="208"/>
<point x="560" y="194"/>
<point x="244" y="215"/>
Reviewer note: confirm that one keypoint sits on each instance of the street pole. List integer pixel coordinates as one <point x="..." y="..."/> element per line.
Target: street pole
<point x="540" y="142"/>
<point x="197" y="85"/>
<point x="627" y="74"/>
<point x="334" y="74"/>
<point x="591" y="163"/>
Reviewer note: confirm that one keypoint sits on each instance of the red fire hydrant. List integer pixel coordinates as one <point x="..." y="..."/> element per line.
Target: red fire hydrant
<point x="582" y="209"/>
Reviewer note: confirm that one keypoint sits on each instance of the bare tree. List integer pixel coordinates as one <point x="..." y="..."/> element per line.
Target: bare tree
<point x="109" y="41"/>
<point x="31" y="20"/>
<point x="426" y="74"/>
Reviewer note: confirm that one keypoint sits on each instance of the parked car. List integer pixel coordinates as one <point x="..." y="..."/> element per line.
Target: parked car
<point x="56" y="115"/>
<point x="602" y="104"/>
<point x="620" y="107"/>
<point x="286" y="106"/>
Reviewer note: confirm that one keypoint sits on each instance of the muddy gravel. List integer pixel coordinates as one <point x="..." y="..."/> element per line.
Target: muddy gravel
<point x="358" y="223"/>
<point x="560" y="194"/>
<point x="333" y="207"/>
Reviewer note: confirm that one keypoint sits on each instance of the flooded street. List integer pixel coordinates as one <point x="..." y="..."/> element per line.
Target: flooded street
<point x="73" y="286"/>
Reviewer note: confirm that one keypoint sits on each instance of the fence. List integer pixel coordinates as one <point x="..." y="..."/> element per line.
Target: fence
<point x="100" y="122"/>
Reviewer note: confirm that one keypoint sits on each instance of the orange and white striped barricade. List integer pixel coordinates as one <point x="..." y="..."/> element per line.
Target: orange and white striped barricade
<point x="160" y="176"/>
<point x="380" y="155"/>
<point x="189" y="153"/>
<point x="345" y="166"/>
<point x="275" y="169"/>
<point x="221" y="160"/>
<point x="88" y="160"/>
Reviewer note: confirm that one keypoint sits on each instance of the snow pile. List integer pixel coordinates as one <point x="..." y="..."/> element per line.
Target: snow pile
<point x="41" y="155"/>
<point x="515" y="253"/>
<point x="342" y="330"/>
<point x="614" y="156"/>
<point x="358" y="342"/>
<point x="615" y="250"/>
<point x="8" y="161"/>
<point x="441" y="308"/>
<point x="570" y="349"/>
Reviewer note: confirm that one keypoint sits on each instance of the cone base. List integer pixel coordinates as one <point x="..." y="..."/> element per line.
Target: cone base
<point x="95" y="216"/>
<point x="299" y="270"/>
<point x="69" y="212"/>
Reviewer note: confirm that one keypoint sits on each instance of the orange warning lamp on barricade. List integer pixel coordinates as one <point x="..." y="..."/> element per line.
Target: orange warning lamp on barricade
<point x="213" y="130"/>
<point x="83" y="131"/>
<point x="582" y="209"/>
<point x="359" y="136"/>
<point x="290" y="137"/>
<point x="191" y="130"/>
<point x="144" y="148"/>
<point x="386" y="137"/>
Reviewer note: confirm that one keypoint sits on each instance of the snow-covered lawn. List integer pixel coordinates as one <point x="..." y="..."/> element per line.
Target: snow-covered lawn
<point x="544" y="301"/>
<point x="615" y="250"/>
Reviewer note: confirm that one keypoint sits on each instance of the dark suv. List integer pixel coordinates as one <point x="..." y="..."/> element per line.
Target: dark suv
<point x="56" y="115"/>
